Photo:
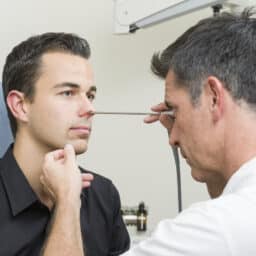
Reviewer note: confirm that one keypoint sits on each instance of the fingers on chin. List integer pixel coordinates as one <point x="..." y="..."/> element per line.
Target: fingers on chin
<point x="87" y="176"/>
<point x="86" y="184"/>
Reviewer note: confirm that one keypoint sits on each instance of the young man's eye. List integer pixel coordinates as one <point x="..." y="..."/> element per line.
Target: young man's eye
<point x="91" y="97"/>
<point x="67" y="93"/>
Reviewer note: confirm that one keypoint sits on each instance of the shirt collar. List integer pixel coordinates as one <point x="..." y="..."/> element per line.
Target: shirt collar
<point x="18" y="190"/>
<point x="243" y="177"/>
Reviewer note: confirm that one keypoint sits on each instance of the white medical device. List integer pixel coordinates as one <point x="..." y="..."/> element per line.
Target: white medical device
<point x="131" y="15"/>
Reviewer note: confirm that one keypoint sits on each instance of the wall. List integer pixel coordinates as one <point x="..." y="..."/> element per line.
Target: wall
<point x="5" y="130"/>
<point x="135" y="156"/>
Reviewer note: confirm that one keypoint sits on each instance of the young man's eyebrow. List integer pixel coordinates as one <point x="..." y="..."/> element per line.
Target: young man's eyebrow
<point x="93" y="88"/>
<point x="73" y="85"/>
<point x="66" y="84"/>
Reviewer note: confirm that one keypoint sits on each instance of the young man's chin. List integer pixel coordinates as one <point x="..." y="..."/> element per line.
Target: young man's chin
<point x="80" y="148"/>
<point x="80" y="151"/>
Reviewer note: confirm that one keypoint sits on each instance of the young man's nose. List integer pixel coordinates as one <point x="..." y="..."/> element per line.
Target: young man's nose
<point x="86" y="108"/>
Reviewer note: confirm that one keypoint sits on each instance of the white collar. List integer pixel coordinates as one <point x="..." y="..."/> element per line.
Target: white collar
<point x="245" y="175"/>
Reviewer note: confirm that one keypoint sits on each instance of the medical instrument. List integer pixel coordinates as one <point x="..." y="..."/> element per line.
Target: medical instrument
<point x="131" y="15"/>
<point x="133" y="113"/>
<point x="135" y="216"/>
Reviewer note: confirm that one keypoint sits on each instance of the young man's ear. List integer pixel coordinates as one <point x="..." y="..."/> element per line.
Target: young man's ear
<point x="215" y="93"/>
<point x="17" y="105"/>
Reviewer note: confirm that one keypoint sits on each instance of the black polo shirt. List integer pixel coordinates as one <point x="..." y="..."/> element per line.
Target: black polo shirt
<point x="24" y="219"/>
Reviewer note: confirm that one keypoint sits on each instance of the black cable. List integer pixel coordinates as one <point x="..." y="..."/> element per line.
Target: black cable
<point x="177" y="164"/>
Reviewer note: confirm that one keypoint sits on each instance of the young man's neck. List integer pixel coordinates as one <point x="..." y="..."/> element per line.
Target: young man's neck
<point x="30" y="156"/>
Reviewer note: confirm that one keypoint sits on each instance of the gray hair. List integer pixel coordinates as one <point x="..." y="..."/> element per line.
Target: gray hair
<point x="222" y="46"/>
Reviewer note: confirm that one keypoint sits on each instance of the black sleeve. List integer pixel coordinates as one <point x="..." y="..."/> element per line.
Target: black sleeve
<point x="120" y="240"/>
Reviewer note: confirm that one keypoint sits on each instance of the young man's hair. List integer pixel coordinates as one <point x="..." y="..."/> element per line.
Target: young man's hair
<point x="223" y="46"/>
<point x="22" y="66"/>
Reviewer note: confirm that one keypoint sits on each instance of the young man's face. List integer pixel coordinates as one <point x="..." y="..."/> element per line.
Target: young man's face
<point x="191" y="129"/>
<point x="61" y="111"/>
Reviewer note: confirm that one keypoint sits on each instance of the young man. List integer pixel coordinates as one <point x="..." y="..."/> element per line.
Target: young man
<point x="49" y="90"/>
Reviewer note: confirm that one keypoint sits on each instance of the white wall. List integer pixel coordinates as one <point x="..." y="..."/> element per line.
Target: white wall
<point x="135" y="156"/>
